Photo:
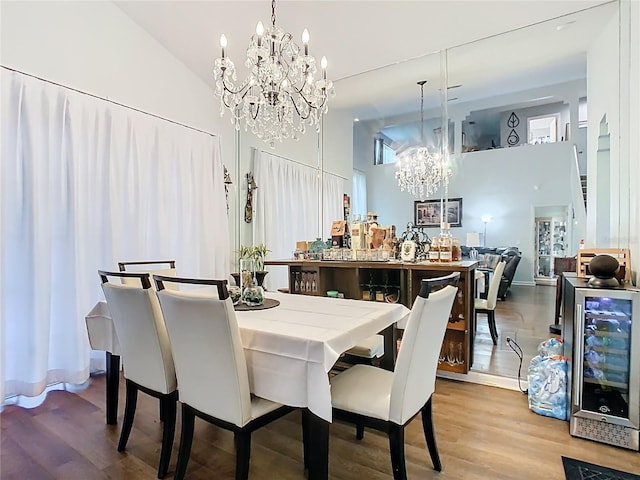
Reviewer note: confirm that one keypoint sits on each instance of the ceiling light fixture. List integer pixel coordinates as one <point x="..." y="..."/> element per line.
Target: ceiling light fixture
<point x="419" y="171"/>
<point x="281" y="96"/>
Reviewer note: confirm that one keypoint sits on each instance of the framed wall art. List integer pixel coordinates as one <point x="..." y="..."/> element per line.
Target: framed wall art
<point x="426" y="213"/>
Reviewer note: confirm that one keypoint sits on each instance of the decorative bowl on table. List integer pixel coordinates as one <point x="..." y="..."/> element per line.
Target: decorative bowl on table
<point x="253" y="295"/>
<point x="235" y="293"/>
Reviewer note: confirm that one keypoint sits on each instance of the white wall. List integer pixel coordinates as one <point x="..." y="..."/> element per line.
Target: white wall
<point x="503" y="183"/>
<point x="96" y="48"/>
<point x="603" y="97"/>
<point x="524" y="114"/>
<point x="630" y="13"/>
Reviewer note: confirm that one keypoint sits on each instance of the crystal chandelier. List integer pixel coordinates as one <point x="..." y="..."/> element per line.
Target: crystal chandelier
<point x="419" y="171"/>
<point x="281" y="96"/>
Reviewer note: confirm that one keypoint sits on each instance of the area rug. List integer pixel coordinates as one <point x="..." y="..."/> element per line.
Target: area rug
<point x="579" y="470"/>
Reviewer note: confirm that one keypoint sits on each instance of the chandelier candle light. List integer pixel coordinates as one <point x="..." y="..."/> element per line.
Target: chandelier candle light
<point x="419" y="171"/>
<point x="280" y="96"/>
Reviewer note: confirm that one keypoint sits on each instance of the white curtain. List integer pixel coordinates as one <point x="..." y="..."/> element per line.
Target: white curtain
<point x="332" y="202"/>
<point x="85" y="183"/>
<point x="287" y="208"/>
<point x="359" y="195"/>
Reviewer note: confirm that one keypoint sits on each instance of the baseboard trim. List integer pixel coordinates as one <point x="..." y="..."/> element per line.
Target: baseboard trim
<point x="523" y="283"/>
<point x="480" y="378"/>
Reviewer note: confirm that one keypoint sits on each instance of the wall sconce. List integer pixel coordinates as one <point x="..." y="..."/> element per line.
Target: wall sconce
<point x="248" y="208"/>
<point x="485" y="219"/>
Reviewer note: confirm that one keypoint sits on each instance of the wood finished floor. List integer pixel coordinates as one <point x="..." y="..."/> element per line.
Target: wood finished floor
<point x="525" y="317"/>
<point x="482" y="433"/>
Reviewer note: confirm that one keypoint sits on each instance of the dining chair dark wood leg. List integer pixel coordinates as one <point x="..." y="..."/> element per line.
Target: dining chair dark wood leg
<point x="396" y="445"/>
<point x="243" y="453"/>
<point x="162" y="412"/>
<point x="491" y="319"/>
<point x="491" y="322"/>
<point x="131" y="400"/>
<point x="168" y="405"/>
<point x="113" y="379"/>
<point x="186" y="440"/>
<point x="359" y="431"/>
<point x="427" y="426"/>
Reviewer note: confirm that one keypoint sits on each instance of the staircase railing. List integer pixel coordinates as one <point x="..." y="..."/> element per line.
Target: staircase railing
<point x="578" y="200"/>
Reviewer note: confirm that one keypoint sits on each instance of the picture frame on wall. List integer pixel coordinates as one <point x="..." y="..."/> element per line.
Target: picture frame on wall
<point x="426" y="213"/>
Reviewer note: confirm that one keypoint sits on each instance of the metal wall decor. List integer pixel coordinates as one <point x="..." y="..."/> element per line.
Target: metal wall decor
<point x="227" y="182"/>
<point x="248" y="208"/>
<point x="512" y="122"/>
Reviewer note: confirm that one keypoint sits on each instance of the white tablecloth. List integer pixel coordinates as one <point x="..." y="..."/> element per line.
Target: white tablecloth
<point x="289" y="348"/>
<point x="102" y="333"/>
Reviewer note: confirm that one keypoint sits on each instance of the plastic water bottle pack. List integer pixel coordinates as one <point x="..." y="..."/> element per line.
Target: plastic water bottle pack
<point x="548" y="381"/>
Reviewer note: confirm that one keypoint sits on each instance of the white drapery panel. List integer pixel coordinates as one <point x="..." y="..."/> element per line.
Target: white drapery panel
<point x="332" y="202"/>
<point x="359" y="195"/>
<point x="287" y="209"/>
<point x="85" y="183"/>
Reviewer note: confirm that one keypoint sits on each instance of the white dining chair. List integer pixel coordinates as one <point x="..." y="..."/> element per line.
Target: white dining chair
<point x="146" y="353"/>
<point x="152" y="267"/>
<point x="488" y="305"/>
<point x="387" y="401"/>
<point x="367" y="351"/>
<point x="211" y="368"/>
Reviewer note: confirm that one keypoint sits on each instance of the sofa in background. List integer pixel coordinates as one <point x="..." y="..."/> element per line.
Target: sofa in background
<point x="511" y="255"/>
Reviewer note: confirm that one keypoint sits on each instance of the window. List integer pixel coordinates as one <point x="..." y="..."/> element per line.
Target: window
<point x="383" y="154"/>
<point x="542" y="129"/>
<point x="359" y="195"/>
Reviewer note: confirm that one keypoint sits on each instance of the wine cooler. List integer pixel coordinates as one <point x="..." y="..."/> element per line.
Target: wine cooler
<point x="605" y="370"/>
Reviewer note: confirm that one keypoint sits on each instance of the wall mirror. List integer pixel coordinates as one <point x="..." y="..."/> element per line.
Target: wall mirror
<point x="565" y="71"/>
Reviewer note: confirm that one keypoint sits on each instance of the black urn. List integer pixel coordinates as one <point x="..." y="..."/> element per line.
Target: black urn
<point x="604" y="269"/>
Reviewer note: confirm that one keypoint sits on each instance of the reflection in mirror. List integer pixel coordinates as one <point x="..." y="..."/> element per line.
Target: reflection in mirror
<point x="300" y="186"/>
<point x="286" y="196"/>
<point x="392" y="121"/>
<point x="525" y="147"/>
<point x="507" y="166"/>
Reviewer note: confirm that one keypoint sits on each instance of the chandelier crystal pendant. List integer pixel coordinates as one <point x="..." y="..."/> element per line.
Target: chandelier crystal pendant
<point x="419" y="171"/>
<point x="281" y="96"/>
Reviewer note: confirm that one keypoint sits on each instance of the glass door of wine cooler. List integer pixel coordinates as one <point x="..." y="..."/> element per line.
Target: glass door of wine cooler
<point x="605" y="378"/>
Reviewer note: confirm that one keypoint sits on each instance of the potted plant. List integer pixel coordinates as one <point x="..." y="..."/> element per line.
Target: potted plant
<point x="257" y="253"/>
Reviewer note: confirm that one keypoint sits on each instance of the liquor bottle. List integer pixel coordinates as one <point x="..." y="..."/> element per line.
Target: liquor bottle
<point x="445" y="243"/>
<point x="434" y="250"/>
<point x="456" y="251"/>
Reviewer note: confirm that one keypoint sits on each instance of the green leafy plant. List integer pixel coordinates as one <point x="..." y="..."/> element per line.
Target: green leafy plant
<point x="256" y="252"/>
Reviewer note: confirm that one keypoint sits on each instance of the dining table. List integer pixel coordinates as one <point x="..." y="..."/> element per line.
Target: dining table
<point x="289" y="349"/>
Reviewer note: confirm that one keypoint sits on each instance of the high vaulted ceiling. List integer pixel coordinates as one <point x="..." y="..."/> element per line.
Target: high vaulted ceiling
<point x="366" y="36"/>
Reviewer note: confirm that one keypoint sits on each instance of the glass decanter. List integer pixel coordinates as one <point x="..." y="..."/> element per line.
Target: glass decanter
<point x="253" y="294"/>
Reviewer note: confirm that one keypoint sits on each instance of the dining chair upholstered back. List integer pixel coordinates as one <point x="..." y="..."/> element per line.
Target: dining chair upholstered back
<point x="494" y="286"/>
<point x="488" y="306"/>
<point x="169" y="270"/>
<point x="208" y="353"/>
<point x="146" y="354"/>
<point x="387" y="401"/>
<point x="146" y="351"/>
<point x="211" y="368"/>
<point x="415" y="371"/>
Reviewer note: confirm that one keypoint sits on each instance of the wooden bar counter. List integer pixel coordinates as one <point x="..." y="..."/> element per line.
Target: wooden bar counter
<point x="394" y="282"/>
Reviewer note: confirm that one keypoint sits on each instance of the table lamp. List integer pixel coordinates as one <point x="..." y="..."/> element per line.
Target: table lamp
<point x="473" y="241"/>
